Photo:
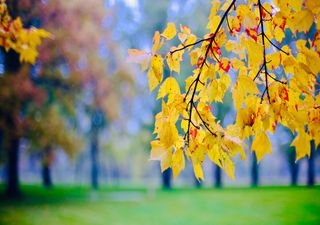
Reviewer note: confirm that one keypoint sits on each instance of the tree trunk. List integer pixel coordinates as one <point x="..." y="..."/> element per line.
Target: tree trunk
<point x="166" y="179"/>
<point x="46" y="176"/>
<point x="294" y="167"/>
<point x="217" y="177"/>
<point x="12" y="140"/>
<point x="311" y="165"/>
<point x="12" y="189"/>
<point x="197" y="183"/>
<point x="94" y="160"/>
<point x="46" y="169"/>
<point x="254" y="171"/>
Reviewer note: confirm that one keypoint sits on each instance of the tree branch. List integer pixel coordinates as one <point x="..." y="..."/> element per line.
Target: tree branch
<point x="191" y="103"/>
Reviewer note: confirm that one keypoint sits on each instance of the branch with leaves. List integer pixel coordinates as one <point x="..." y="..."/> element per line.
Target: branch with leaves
<point x="272" y="77"/>
<point x="14" y="36"/>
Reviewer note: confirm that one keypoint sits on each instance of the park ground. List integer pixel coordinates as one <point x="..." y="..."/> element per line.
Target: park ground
<point x="113" y="206"/>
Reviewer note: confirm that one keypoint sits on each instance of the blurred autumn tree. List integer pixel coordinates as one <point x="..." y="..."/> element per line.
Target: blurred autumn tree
<point x="83" y="50"/>
<point x="18" y="93"/>
<point x="41" y="100"/>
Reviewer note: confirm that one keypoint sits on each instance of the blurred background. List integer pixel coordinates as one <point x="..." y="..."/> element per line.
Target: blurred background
<point x="79" y="122"/>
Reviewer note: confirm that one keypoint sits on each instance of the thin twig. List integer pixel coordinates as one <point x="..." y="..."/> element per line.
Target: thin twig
<point x="274" y="45"/>
<point x="197" y="80"/>
<point x="204" y="122"/>
<point x="275" y="79"/>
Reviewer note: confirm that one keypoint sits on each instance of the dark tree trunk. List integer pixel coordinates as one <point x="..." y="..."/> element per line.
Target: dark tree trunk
<point x="254" y="171"/>
<point x="46" y="176"/>
<point x="12" y="189"/>
<point x="311" y="165"/>
<point x="294" y="167"/>
<point x="11" y="138"/>
<point x="197" y="183"/>
<point x="94" y="160"/>
<point x="12" y="66"/>
<point x="217" y="177"/>
<point x="166" y="179"/>
<point x="46" y="168"/>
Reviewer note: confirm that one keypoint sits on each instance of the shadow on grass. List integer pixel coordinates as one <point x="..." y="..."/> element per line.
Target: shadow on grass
<point x="38" y="195"/>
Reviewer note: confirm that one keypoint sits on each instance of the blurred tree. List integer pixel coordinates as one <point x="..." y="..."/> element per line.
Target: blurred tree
<point x="17" y="90"/>
<point x="51" y="130"/>
<point x="83" y="50"/>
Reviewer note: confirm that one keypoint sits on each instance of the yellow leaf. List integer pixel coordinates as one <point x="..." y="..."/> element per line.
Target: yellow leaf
<point x="194" y="56"/>
<point x="229" y="167"/>
<point x="157" y="42"/>
<point x="246" y="85"/>
<point x="255" y="53"/>
<point x="174" y="59"/>
<point x="168" y="134"/>
<point x="278" y="34"/>
<point x="152" y="80"/>
<point x="236" y="63"/>
<point x="214" y="154"/>
<point x="170" y="31"/>
<point x="274" y="60"/>
<point x="313" y="5"/>
<point x="261" y="145"/>
<point x="166" y="161"/>
<point x="160" y="153"/>
<point x="177" y="162"/>
<point x="169" y="86"/>
<point x="213" y="23"/>
<point x="295" y="4"/>
<point x="138" y="56"/>
<point x="155" y="72"/>
<point x="197" y="169"/>
<point x="302" y="21"/>
<point x="302" y="144"/>
<point x="157" y="150"/>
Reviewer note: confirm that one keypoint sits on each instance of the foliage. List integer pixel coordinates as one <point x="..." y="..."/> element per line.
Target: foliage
<point x="272" y="69"/>
<point x="80" y="40"/>
<point x="14" y="36"/>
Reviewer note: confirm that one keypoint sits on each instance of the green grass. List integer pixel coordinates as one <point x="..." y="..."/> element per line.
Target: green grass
<point x="80" y="206"/>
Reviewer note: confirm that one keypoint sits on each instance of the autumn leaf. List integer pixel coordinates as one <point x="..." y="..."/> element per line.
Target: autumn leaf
<point x="261" y="145"/>
<point x="177" y="162"/>
<point x="197" y="169"/>
<point x="139" y="56"/>
<point x="170" y="86"/>
<point x="302" y="144"/>
<point x="302" y="21"/>
<point x="170" y="31"/>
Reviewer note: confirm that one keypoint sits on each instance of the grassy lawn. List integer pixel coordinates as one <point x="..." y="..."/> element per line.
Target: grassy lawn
<point x="69" y="205"/>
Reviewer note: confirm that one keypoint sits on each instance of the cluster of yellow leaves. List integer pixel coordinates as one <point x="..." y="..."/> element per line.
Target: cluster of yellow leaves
<point x="14" y="36"/>
<point x="274" y="83"/>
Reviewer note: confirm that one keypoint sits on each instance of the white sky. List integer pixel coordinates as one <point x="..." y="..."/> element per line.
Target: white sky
<point x="131" y="3"/>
